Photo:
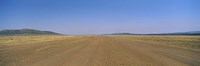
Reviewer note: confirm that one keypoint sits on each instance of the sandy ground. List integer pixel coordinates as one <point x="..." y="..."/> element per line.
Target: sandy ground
<point x="96" y="51"/>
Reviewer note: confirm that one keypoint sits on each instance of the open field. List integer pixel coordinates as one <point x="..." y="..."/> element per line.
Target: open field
<point x="136" y="50"/>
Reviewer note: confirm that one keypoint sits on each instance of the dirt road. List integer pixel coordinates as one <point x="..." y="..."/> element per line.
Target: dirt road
<point x="97" y="51"/>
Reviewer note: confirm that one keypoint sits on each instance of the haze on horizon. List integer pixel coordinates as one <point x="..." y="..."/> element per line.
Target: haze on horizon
<point x="101" y="16"/>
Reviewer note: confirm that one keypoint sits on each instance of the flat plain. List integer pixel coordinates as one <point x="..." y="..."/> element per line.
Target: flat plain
<point x="100" y="50"/>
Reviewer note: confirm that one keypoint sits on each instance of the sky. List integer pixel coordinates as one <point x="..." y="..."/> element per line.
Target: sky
<point x="101" y="16"/>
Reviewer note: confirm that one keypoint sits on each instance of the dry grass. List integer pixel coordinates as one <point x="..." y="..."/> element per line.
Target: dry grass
<point x="14" y="40"/>
<point x="186" y="42"/>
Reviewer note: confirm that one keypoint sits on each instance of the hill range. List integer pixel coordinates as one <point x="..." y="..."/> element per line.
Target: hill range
<point x="27" y="32"/>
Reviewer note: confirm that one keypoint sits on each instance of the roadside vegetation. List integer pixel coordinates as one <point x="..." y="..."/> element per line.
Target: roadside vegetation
<point x="179" y="41"/>
<point x="14" y="40"/>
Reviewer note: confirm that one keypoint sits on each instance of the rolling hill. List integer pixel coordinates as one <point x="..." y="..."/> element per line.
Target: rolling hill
<point x="27" y="32"/>
<point x="175" y="33"/>
<point x="187" y="33"/>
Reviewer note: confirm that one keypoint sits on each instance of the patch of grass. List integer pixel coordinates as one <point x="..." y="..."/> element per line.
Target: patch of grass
<point x="186" y="42"/>
<point x="13" y="40"/>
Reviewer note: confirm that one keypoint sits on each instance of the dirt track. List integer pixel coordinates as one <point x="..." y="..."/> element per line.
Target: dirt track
<point x="97" y="51"/>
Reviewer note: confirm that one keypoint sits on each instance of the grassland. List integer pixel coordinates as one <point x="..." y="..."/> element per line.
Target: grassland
<point x="179" y="41"/>
<point x="14" y="40"/>
<point x="102" y="50"/>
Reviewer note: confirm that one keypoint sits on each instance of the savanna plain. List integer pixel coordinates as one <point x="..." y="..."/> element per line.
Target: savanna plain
<point x="100" y="50"/>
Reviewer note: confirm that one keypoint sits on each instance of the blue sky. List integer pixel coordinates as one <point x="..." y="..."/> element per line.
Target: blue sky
<point x="101" y="16"/>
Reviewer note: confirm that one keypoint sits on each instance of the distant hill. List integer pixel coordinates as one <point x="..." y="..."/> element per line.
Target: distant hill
<point x="186" y="33"/>
<point x="176" y="33"/>
<point x="26" y="32"/>
<point x="122" y="34"/>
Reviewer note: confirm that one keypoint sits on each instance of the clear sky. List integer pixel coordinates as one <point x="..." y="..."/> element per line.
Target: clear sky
<point x="101" y="16"/>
